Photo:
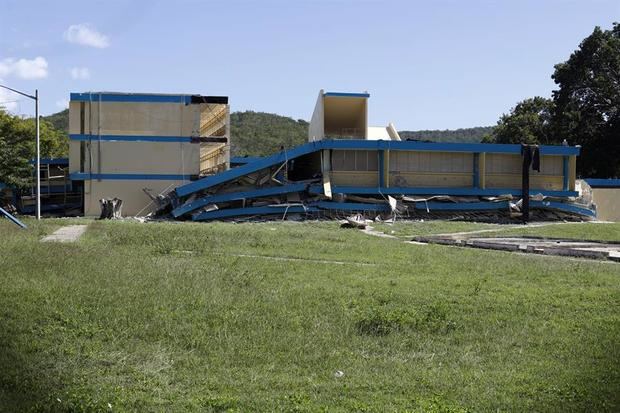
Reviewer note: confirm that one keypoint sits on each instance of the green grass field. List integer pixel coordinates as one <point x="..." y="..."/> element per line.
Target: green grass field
<point x="175" y="317"/>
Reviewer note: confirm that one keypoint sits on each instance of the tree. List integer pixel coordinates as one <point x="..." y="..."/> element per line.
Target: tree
<point x="528" y="122"/>
<point x="17" y="147"/>
<point x="587" y="103"/>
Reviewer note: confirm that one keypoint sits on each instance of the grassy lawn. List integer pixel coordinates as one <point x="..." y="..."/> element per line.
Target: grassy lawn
<point x="177" y="317"/>
<point x="407" y="229"/>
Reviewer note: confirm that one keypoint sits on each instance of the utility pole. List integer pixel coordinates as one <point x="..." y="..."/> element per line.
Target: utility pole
<point x="38" y="142"/>
<point x="38" y="172"/>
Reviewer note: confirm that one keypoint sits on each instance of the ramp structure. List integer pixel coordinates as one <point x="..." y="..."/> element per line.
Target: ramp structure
<point x="348" y="167"/>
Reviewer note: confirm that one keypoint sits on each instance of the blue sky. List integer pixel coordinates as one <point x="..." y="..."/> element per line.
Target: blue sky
<point x="427" y="64"/>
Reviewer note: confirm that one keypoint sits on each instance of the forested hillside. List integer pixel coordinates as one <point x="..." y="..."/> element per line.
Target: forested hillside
<point x="59" y="120"/>
<point x="259" y="133"/>
<point x="468" y="135"/>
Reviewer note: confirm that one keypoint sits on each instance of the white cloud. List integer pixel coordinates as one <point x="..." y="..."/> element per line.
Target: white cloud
<point x="62" y="103"/>
<point x="24" y="68"/>
<point x="86" y="35"/>
<point x="80" y="73"/>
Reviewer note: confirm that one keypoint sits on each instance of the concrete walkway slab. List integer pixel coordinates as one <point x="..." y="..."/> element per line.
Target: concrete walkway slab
<point x="70" y="233"/>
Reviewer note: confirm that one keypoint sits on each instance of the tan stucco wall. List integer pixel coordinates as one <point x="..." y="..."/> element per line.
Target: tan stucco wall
<point x="430" y="180"/>
<point x="132" y="118"/>
<point x="607" y="202"/>
<point x="141" y="157"/>
<point x="354" y="178"/>
<point x="316" y="127"/>
<point x="130" y="191"/>
<point x="504" y="171"/>
<point x="137" y="157"/>
<point x="336" y="116"/>
<point x="345" y="116"/>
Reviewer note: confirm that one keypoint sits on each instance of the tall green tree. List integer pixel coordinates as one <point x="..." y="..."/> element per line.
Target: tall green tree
<point x="585" y="109"/>
<point x="528" y="122"/>
<point x="17" y="147"/>
<point x="587" y="103"/>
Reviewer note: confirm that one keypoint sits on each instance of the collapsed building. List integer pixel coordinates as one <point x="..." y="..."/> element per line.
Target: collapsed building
<point x="349" y="167"/>
<point x="169" y="155"/>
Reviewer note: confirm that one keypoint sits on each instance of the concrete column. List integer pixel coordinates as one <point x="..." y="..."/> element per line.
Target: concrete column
<point x="482" y="160"/>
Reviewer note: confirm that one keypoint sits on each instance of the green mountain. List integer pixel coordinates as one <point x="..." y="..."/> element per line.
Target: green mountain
<point x="260" y="133"/>
<point x="59" y="120"/>
<point x="466" y="135"/>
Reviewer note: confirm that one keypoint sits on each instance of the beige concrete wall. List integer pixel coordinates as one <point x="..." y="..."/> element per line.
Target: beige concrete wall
<point x="355" y="178"/>
<point x="431" y="180"/>
<point x="141" y="157"/>
<point x="317" y="127"/>
<point x="607" y="202"/>
<point x="542" y="182"/>
<point x="148" y="119"/>
<point x="417" y="161"/>
<point x="74" y="156"/>
<point x="135" y="200"/>
<point x="339" y="117"/>
<point x="376" y="133"/>
<point x="509" y="163"/>
<point x="354" y="160"/>
<point x="345" y="117"/>
<point x="504" y="171"/>
<point x="137" y="157"/>
<point x="136" y="118"/>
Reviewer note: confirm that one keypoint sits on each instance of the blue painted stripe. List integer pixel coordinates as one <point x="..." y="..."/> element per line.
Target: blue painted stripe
<point x="361" y="190"/>
<point x="347" y="94"/>
<point x="266" y="210"/>
<point x="603" y="183"/>
<point x="129" y="97"/>
<point x="13" y="219"/>
<point x="80" y="176"/>
<point x="362" y="145"/>
<point x="351" y="206"/>
<point x="563" y="207"/>
<point x="56" y="189"/>
<point x="129" y="138"/>
<point x="51" y="161"/>
<point x="30" y="209"/>
<point x="443" y="147"/>
<point x="232" y="196"/>
<point x="461" y="206"/>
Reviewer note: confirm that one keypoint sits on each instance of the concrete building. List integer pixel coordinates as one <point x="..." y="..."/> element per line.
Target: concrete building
<point x="339" y="116"/>
<point x="349" y="167"/>
<point x="137" y="146"/>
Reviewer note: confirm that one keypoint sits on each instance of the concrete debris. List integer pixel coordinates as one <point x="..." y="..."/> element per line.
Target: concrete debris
<point x="535" y="245"/>
<point x="355" y="221"/>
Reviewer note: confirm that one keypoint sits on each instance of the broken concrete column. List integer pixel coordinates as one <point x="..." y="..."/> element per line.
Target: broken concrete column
<point x="111" y="208"/>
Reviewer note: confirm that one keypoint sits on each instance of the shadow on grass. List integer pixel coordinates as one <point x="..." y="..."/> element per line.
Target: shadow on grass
<point x="23" y="387"/>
